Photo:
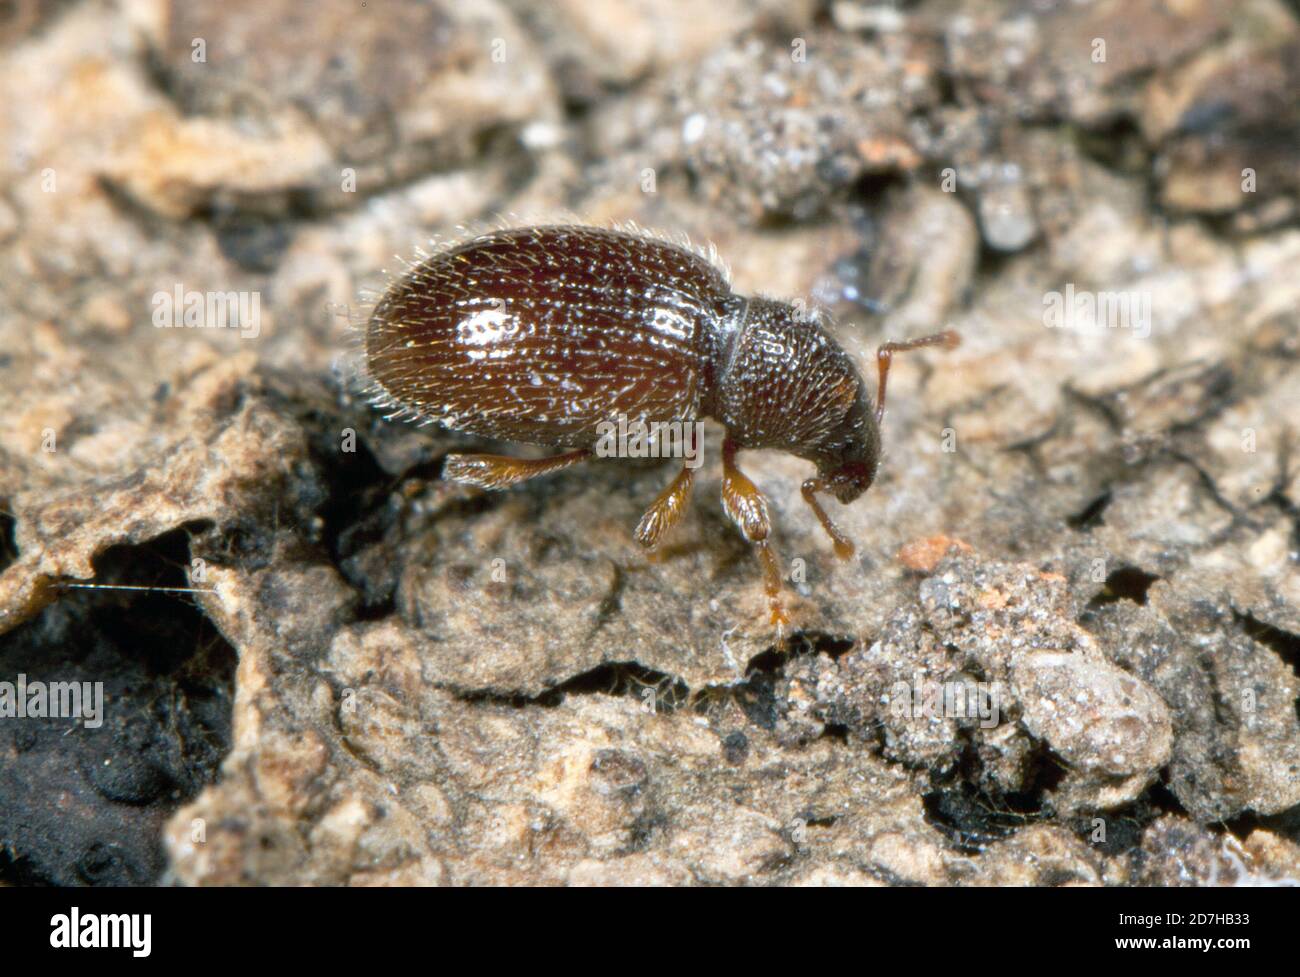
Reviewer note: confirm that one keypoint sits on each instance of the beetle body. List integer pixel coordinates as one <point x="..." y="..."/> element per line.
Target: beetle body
<point x="540" y="335"/>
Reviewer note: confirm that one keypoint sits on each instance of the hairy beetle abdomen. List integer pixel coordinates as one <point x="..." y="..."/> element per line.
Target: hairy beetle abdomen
<point x="539" y="334"/>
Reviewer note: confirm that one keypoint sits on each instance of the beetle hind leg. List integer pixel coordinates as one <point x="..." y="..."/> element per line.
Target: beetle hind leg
<point x="500" y="471"/>
<point x="666" y="510"/>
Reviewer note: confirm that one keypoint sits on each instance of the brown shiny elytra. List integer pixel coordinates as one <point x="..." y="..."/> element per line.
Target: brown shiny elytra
<point x="540" y="334"/>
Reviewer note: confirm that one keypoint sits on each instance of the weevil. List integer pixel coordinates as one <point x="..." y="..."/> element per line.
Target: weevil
<point x="542" y="334"/>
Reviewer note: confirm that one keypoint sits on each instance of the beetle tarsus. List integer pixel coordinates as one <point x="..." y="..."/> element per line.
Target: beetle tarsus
<point x="777" y="616"/>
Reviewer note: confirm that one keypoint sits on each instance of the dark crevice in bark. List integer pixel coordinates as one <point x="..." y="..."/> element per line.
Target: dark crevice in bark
<point x="1126" y="583"/>
<point x="657" y="691"/>
<point x="163" y="727"/>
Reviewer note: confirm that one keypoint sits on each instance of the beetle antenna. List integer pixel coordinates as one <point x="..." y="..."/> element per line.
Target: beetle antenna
<point x="885" y="357"/>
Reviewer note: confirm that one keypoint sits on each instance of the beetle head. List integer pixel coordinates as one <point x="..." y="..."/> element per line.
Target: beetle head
<point x="848" y="456"/>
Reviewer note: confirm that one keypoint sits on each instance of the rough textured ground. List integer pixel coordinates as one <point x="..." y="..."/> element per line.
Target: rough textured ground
<point x="384" y="679"/>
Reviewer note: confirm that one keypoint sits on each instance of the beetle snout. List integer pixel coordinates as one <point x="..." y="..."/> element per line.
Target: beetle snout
<point x="850" y="480"/>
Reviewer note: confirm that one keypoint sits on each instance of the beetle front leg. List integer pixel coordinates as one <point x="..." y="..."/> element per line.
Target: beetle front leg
<point x="746" y="506"/>
<point x="843" y="545"/>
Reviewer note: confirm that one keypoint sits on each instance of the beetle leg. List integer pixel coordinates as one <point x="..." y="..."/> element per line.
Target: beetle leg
<point x="885" y="355"/>
<point x="843" y="545"/>
<point x="746" y="506"/>
<point x="666" y="510"/>
<point x="499" y="471"/>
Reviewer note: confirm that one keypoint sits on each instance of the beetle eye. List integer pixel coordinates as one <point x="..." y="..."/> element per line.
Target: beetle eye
<point x="856" y="472"/>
